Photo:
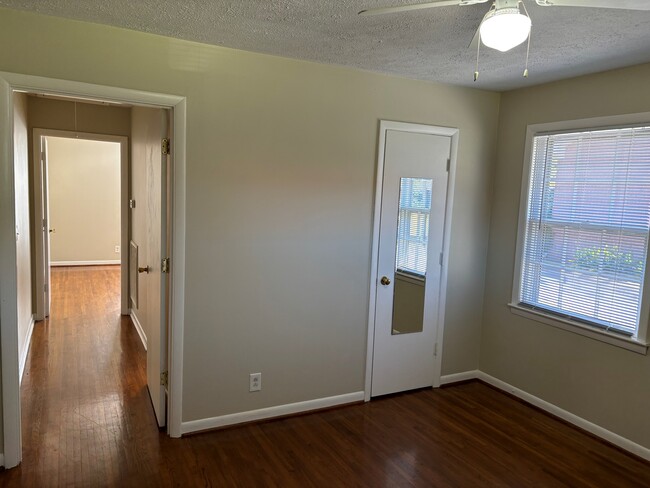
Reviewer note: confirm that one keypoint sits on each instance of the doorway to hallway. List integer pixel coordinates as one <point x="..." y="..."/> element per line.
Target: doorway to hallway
<point x="92" y="203"/>
<point x="15" y="224"/>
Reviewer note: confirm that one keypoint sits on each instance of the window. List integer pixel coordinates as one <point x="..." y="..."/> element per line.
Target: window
<point x="585" y="231"/>
<point x="413" y="225"/>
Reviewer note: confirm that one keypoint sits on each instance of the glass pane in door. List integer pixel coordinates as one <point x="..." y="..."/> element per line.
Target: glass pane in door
<point x="411" y="254"/>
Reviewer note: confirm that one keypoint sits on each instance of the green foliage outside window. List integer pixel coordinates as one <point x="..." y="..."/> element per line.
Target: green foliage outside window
<point x="608" y="259"/>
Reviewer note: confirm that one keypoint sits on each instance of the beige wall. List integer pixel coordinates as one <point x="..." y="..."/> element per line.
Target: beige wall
<point x="48" y="113"/>
<point x="599" y="382"/>
<point x="281" y="158"/>
<point x="21" y="188"/>
<point x="84" y="200"/>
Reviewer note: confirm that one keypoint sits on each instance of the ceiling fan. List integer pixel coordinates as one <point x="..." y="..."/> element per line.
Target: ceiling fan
<point x="504" y="26"/>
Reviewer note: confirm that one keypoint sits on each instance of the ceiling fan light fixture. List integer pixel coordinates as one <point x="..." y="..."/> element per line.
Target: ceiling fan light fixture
<point x="505" y="28"/>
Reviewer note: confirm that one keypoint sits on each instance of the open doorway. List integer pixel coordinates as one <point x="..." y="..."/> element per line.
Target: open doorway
<point x="84" y="202"/>
<point x="11" y="335"/>
<point x="80" y="205"/>
<point x="84" y="193"/>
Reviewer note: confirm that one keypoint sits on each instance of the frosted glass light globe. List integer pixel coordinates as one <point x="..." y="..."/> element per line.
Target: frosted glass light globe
<point x="504" y="29"/>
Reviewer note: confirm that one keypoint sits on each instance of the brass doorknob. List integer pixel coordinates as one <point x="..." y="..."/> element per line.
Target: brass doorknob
<point x="384" y="281"/>
<point x="143" y="270"/>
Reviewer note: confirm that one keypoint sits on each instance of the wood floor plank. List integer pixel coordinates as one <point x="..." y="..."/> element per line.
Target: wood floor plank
<point x="88" y="421"/>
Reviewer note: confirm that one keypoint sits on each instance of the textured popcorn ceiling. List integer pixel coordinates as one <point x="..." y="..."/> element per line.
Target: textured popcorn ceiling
<point x="424" y="44"/>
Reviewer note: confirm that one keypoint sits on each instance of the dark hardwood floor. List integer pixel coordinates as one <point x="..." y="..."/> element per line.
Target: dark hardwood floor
<point x="88" y="421"/>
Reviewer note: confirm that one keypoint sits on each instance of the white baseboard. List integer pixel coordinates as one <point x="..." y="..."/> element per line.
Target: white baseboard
<point x="86" y="263"/>
<point x="270" y="412"/>
<point x="457" y="377"/>
<point x="26" y="344"/>
<point x="138" y="327"/>
<point x="590" y="427"/>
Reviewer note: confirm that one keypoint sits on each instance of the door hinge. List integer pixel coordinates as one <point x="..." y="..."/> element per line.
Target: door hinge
<point x="45" y="287"/>
<point x="44" y="224"/>
<point x="441" y="256"/>
<point x="435" y="349"/>
<point x="448" y="163"/>
<point x="166" y="146"/>
<point x="164" y="379"/>
<point x="165" y="265"/>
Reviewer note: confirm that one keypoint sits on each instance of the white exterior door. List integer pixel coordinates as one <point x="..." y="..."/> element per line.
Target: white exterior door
<point x="409" y="264"/>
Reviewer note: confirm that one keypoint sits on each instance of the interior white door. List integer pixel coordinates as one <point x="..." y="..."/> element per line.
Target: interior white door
<point x="158" y="202"/>
<point x="47" y="230"/>
<point x="413" y="199"/>
<point x="153" y="124"/>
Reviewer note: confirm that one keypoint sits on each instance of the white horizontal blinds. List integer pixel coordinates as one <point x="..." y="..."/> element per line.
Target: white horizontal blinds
<point x="413" y="225"/>
<point x="587" y="226"/>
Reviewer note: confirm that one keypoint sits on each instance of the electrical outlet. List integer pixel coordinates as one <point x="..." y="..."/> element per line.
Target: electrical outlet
<point x="117" y="249"/>
<point x="255" y="382"/>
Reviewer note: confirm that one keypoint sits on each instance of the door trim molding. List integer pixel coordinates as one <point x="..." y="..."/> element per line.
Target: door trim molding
<point x="10" y="82"/>
<point x="453" y="133"/>
<point x="125" y="164"/>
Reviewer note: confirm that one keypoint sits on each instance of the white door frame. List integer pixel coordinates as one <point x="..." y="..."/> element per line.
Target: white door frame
<point x="10" y="82"/>
<point x="38" y="235"/>
<point x="453" y="133"/>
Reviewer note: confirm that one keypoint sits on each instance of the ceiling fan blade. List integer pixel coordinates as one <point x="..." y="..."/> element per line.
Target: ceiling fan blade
<point x="418" y="6"/>
<point x="620" y="4"/>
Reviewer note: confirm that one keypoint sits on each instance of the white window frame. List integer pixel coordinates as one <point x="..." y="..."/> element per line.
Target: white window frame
<point x="637" y="343"/>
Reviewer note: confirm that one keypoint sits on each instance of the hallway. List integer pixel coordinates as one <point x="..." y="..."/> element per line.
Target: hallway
<point x="84" y="396"/>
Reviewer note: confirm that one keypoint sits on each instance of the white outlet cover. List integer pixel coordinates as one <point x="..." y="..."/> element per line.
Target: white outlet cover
<point x="255" y="382"/>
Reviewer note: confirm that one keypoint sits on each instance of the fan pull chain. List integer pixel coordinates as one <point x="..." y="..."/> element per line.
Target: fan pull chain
<point x="527" y="52"/>
<point x="478" y="52"/>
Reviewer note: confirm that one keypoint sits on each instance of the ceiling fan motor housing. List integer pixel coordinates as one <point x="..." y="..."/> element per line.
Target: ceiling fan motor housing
<point x="499" y="4"/>
<point x="504" y="26"/>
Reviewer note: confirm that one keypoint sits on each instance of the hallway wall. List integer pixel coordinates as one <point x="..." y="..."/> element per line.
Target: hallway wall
<point x="21" y="188"/>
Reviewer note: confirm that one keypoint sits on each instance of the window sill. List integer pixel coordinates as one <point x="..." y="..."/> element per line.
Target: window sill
<point x="612" y="338"/>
